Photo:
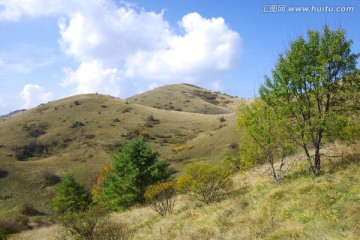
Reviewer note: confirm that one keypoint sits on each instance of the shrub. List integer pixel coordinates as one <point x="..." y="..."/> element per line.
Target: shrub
<point x="97" y="188"/>
<point x="132" y="134"/>
<point x="77" y="123"/>
<point x="222" y="119"/>
<point x="93" y="224"/>
<point x="116" y="120"/>
<point x="3" y="173"/>
<point x="144" y="135"/>
<point x="31" y="149"/>
<point x="35" y="130"/>
<point x="204" y="182"/>
<point x="89" y="136"/>
<point x="178" y="149"/>
<point x="128" y="109"/>
<point x="27" y="209"/>
<point x="70" y="196"/>
<point x="51" y="179"/>
<point x="161" y="197"/>
<point x="151" y="121"/>
<point x="77" y="103"/>
<point x="8" y="227"/>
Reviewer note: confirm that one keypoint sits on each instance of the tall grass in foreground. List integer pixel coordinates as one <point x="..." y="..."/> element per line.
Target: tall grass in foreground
<point x="300" y="207"/>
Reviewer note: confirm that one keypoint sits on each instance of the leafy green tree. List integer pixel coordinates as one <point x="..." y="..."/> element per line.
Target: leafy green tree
<point x="263" y="137"/>
<point x="70" y="196"/>
<point x="133" y="169"/>
<point x="311" y="86"/>
<point x="204" y="182"/>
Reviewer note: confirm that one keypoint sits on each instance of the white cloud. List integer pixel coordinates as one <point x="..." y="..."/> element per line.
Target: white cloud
<point x="125" y="42"/>
<point x="207" y="46"/>
<point x="13" y="10"/>
<point x="33" y="95"/>
<point x="93" y="77"/>
<point x="119" y="34"/>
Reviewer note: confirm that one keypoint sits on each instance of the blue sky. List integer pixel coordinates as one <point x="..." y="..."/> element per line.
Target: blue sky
<point x="53" y="49"/>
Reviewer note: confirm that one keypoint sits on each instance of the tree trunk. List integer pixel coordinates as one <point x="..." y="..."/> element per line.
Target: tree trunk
<point x="316" y="166"/>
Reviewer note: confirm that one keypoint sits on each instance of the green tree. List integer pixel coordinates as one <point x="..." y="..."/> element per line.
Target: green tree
<point x="204" y="182"/>
<point x="70" y="196"/>
<point x="311" y="85"/>
<point x="263" y="137"/>
<point x="133" y="169"/>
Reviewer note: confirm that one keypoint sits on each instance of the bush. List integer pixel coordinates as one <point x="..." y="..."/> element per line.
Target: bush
<point x="8" y="227"/>
<point x="178" y="149"/>
<point x="51" y="179"/>
<point x="77" y="123"/>
<point x="27" y="209"/>
<point x="151" y="121"/>
<point x="128" y="109"/>
<point x="77" y="103"/>
<point x="116" y="120"/>
<point x="35" y="130"/>
<point x="93" y="224"/>
<point x="3" y="173"/>
<point x="204" y="182"/>
<point x="70" y="196"/>
<point x="161" y="197"/>
<point x="31" y="149"/>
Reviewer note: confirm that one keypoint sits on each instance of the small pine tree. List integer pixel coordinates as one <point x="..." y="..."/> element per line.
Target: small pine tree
<point x="70" y="196"/>
<point x="132" y="170"/>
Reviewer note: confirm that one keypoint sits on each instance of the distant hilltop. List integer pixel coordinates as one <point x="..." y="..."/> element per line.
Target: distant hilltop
<point x="12" y="113"/>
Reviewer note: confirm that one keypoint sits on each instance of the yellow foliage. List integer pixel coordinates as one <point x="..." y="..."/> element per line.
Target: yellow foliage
<point x="178" y="149"/>
<point x="97" y="188"/>
<point x="144" y="134"/>
<point x="204" y="182"/>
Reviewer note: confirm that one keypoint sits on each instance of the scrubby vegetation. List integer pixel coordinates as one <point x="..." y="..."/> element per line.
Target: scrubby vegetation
<point x="31" y="149"/>
<point x="204" y="182"/>
<point x="161" y="197"/>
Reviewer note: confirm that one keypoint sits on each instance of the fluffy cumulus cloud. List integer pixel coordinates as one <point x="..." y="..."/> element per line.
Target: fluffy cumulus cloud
<point x="33" y="95"/>
<point x="93" y="77"/>
<point x="207" y="46"/>
<point x="112" y="42"/>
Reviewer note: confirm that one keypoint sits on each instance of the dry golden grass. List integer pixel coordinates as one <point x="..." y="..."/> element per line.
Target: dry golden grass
<point x="188" y="98"/>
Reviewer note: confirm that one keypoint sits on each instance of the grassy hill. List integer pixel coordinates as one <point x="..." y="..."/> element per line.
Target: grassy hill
<point x="77" y="134"/>
<point x="187" y="98"/>
<point x="300" y="207"/>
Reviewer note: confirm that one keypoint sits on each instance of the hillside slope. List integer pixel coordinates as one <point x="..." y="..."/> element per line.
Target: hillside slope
<point x="187" y="98"/>
<point x="300" y="207"/>
<point x="77" y="135"/>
